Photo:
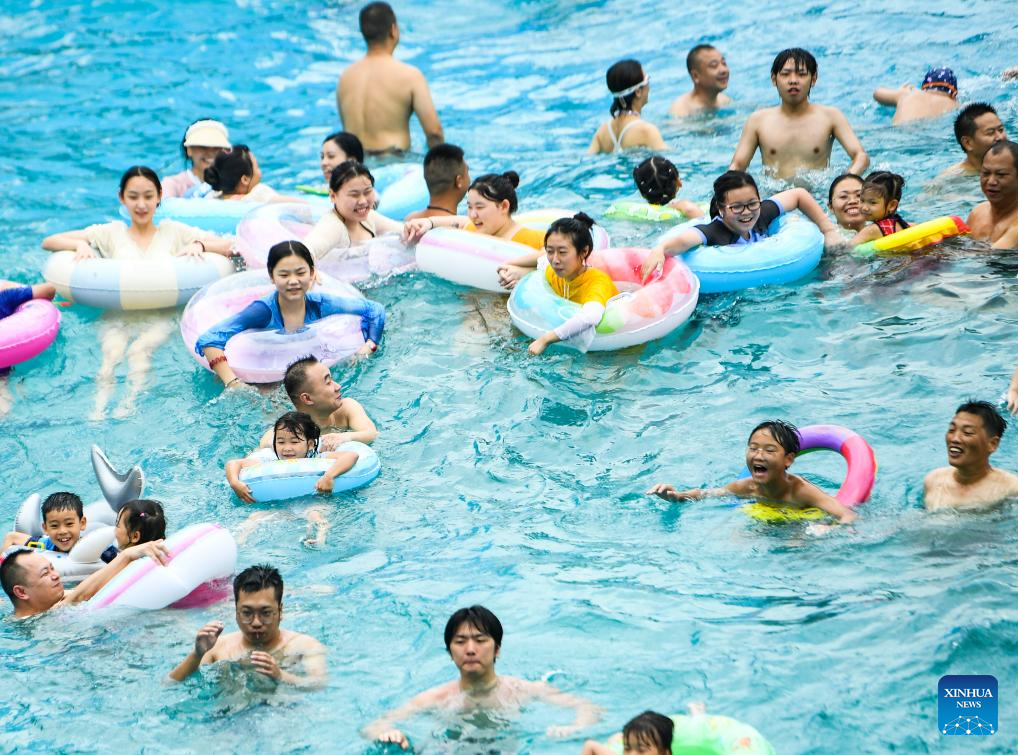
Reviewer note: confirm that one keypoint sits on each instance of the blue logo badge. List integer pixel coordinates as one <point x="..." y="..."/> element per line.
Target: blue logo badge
<point x="967" y="705"/>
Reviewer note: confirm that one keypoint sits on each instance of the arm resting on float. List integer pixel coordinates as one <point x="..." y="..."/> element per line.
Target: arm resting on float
<point x="60" y="242"/>
<point x="372" y="313"/>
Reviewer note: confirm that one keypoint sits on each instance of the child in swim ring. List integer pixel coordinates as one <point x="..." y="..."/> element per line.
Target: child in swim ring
<point x="63" y="520"/>
<point x="658" y="180"/>
<point x="139" y="521"/>
<point x="881" y="193"/>
<point x="203" y="140"/>
<point x="649" y="733"/>
<point x="12" y="296"/>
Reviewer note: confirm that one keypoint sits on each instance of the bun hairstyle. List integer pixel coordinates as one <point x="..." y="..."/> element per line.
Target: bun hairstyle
<point x="144" y="517"/>
<point x="624" y="79"/>
<point x="885" y="183"/>
<point x="656" y="178"/>
<point x="285" y="249"/>
<point x="228" y="168"/>
<point x="577" y="228"/>
<point x="347" y="170"/>
<point x="497" y="187"/>
<point x="140" y="170"/>
<point x="726" y="182"/>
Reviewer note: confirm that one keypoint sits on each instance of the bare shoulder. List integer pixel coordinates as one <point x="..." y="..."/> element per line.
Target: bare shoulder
<point x="936" y="476"/>
<point x="744" y="487"/>
<point x="1010" y="479"/>
<point x="437" y="695"/>
<point x="297" y="642"/>
<point x="227" y="647"/>
<point x="979" y="216"/>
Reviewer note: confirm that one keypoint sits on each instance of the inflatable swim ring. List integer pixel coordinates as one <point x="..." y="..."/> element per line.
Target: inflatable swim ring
<point x="641" y="313"/>
<point x="916" y="237"/>
<point x="859" y="479"/>
<point x="217" y="215"/>
<point x="28" y="331"/>
<point x="713" y="735"/>
<point x="262" y="356"/>
<point x="280" y="479"/>
<point x="134" y="284"/>
<point x="401" y="189"/>
<point x="628" y="209"/>
<point x="199" y="555"/>
<point x="791" y="251"/>
<point x="466" y="257"/>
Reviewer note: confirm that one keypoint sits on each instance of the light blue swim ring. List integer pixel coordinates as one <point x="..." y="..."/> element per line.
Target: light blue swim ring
<point x="791" y="251"/>
<point x="401" y="189"/>
<point x="280" y="479"/>
<point x="217" y="215"/>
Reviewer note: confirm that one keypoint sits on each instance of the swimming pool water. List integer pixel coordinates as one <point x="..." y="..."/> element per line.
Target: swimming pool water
<point x="517" y="482"/>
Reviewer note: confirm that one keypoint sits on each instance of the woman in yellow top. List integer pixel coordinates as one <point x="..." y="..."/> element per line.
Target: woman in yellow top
<point x="568" y="244"/>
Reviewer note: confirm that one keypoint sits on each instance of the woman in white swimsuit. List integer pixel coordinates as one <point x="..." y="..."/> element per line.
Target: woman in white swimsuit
<point x="630" y="90"/>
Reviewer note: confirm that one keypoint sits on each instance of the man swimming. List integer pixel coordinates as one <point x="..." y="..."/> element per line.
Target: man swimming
<point x="996" y="219"/>
<point x="938" y="94"/>
<point x="709" y="72"/>
<point x="473" y="638"/>
<point x="797" y="134"/>
<point x="376" y="95"/>
<point x="970" y="482"/>
<point x="976" y="129"/>
<point x="447" y="177"/>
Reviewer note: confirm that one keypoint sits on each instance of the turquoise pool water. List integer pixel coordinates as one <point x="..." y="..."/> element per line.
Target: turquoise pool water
<point x="511" y="481"/>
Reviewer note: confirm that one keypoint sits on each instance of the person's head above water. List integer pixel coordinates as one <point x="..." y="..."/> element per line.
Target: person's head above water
<point x="445" y="170"/>
<point x="63" y="520"/>
<point x="338" y="148"/>
<point x="974" y="433"/>
<point x="881" y="193"/>
<point x="998" y="177"/>
<point x="736" y="201"/>
<point x="295" y="436"/>
<point x="473" y="638"/>
<point x="940" y="80"/>
<point x="258" y="595"/>
<point x="285" y="249"/>
<point x="203" y="140"/>
<point x="628" y="85"/>
<point x="309" y="385"/>
<point x="977" y="128"/>
<point x="649" y="733"/>
<point x="707" y="67"/>
<point x="658" y="180"/>
<point x="793" y="73"/>
<point x="771" y="450"/>
<point x="845" y="200"/>
<point x="378" y="24"/>
<point x="140" y="521"/>
<point x="568" y="243"/>
<point x="232" y="171"/>
<point x="491" y="201"/>
<point x="30" y="580"/>
<point x="352" y="191"/>
<point x="140" y="193"/>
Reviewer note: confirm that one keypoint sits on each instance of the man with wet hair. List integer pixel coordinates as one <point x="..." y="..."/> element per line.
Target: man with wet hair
<point x="473" y="639"/>
<point x="996" y="219"/>
<point x="770" y="452"/>
<point x="448" y="177"/>
<point x="709" y="71"/>
<point x="970" y="482"/>
<point x="797" y="134"/>
<point x="376" y="95"/>
<point x="260" y="645"/>
<point x="976" y="129"/>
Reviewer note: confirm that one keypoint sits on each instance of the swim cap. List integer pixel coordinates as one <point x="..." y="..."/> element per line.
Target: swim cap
<point x="207" y="134"/>
<point x="941" y="79"/>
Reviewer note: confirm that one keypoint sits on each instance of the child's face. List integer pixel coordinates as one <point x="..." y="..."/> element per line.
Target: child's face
<point x="741" y="209"/>
<point x="289" y="445"/>
<point x="766" y="459"/>
<point x="874" y="207"/>
<point x="63" y="528"/>
<point x="124" y="538"/>
<point x="640" y="746"/>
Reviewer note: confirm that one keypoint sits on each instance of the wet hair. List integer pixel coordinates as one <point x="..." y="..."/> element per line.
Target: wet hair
<point x="838" y="180"/>
<point x="726" y="182"/>
<point x="655" y="178"/>
<point x="376" y="21"/>
<point x="692" y="57"/>
<point x="11" y="572"/>
<point x="650" y="728"/>
<point x="620" y="77"/>
<point x="349" y="143"/>
<point x="785" y="433"/>
<point x="255" y="578"/>
<point x="441" y="166"/>
<point x="965" y="123"/>
<point x="1005" y="146"/>
<point x="296" y="376"/>
<point x="497" y="187"/>
<point x="144" y="517"/>
<point x="285" y="249"/>
<point x="301" y="425"/>
<point x="994" y="423"/>
<point x="229" y="167"/>
<point x="801" y="58"/>
<point x="140" y="170"/>
<point x="577" y="228"/>
<point x="62" y="501"/>
<point x="347" y="170"/>
<point x="885" y="183"/>
<point x="478" y="617"/>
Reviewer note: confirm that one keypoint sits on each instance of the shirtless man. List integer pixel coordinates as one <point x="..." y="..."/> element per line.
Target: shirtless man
<point x="376" y="95"/>
<point x="709" y="72"/>
<point x="996" y="219"/>
<point x="937" y="95"/>
<point x="977" y="128"/>
<point x="34" y="585"/>
<point x="269" y="650"/>
<point x="312" y="390"/>
<point x="473" y="637"/>
<point x="797" y="134"/>
<point x="447" y="177"/>
<point x="970" y="482"/>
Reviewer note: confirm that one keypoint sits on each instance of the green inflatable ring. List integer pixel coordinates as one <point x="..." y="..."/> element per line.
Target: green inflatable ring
<point x="321" y="191"/>
<point x="627" y="209"/>
<point x="714" y="735"/>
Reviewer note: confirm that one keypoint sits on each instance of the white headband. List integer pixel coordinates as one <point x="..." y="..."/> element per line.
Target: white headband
<point x="630" y="90"/>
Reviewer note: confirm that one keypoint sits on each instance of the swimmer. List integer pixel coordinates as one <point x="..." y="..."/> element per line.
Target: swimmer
<point x="338" y="148"/>
<point x="34" y="585"/>
<point x="709" y="71"/>
<point x="63" y="521"/>
<point x="203" y="140"/>
<point x="447" y="176"/>
<point x="12" y="296"/>
<point x="938" y="94"/>
<point x="140" y="193"/>
<point x="236" y="175"/>
<point x="630" y="89"/>
<point x="658" y="180"/>
<point x="881" y="193"/>
<point x="376" y="95"/>
<point x="289" y="308"/>
<point x="138" y="521"/>
<point x="797" y="134"/>
<point x="970" y="482"/>
<point x="844" y="199"/>
<point x="996" y="219"/>
<point x="473" y="638"/>
<point x="260" y="645"/>
<point x="770" y="452"/>
<point x="649" y="733"/>
<point x="976" y="129"/>
<point x="741" y="218"/>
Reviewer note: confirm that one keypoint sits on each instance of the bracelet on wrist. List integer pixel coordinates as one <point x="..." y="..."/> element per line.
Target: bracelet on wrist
<point x="231" y="382"/>
<point x="217" y="360"/>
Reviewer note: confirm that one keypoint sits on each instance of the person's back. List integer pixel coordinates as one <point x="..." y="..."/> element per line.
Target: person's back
<point x="376" y="95"/>
<point x="936" y="96"/>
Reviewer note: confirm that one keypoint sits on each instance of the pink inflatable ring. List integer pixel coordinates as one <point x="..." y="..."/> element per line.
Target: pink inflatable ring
<point x="28" y="331"/>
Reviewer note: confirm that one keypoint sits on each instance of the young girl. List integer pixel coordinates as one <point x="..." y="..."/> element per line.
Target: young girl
<point x="630" y="90"/>
<point x="138" y="521"/>
<point x="140" y="193"/>
<point x="844" y="199"/>
<point x="881" y="193"/>
<point x="290" y="307"/>
<point x="235" y="175"/>
<point x="658" y="180"/>
<point x="203" y="140"/>
<point x="740" y="217"/>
